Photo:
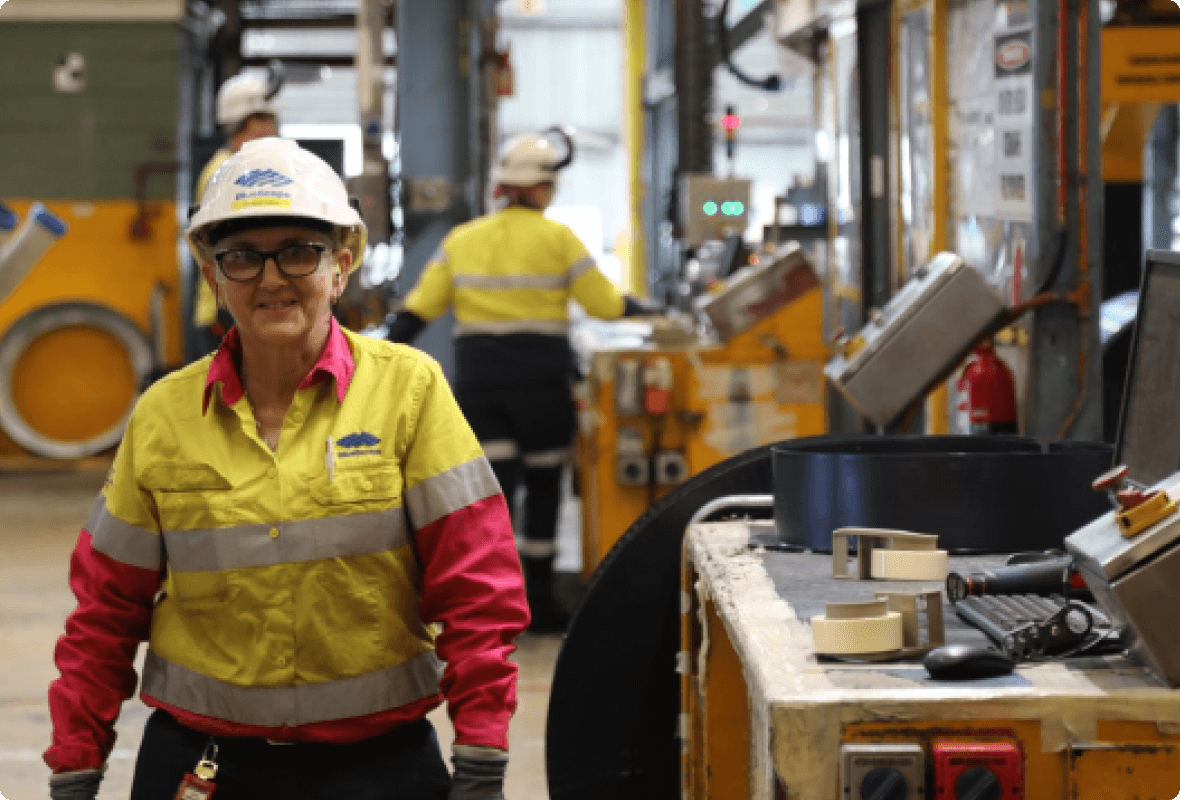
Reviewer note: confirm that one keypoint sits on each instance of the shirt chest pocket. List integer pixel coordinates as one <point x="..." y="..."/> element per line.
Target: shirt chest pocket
<point x="188" y="495"/>
<point x="376" y="486"/>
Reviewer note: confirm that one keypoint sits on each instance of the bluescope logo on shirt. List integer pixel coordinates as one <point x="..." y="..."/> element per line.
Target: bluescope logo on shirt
<point x="358" y="444"/>
<point x="263" y="190"/>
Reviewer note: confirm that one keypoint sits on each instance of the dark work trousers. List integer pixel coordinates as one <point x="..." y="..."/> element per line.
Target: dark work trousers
<point x="404" y="764"/>
<point x="526" y="432"/>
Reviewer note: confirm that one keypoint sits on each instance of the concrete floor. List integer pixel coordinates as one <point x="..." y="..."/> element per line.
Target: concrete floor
<point x="40" y="515"/>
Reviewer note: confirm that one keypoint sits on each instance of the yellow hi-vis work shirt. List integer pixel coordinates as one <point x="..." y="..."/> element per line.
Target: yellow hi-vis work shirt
<point x="295" y="593"/>
<point x="513" y="272"/>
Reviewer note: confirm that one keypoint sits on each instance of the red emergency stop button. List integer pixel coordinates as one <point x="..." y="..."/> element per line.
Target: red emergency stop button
<point x="978" y="771"/>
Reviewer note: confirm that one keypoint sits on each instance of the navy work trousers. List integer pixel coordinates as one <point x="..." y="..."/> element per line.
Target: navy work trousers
<point x="404" y="764"/>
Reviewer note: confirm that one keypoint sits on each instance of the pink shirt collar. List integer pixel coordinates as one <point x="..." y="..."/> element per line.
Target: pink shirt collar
<point x="336" y="361"/>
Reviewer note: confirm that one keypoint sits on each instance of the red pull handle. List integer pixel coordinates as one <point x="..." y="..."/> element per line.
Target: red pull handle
<point x="1110" y="478"/>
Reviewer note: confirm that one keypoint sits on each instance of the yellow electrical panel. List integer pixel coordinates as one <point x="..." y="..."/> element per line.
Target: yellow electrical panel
<point x="636" y="444"/>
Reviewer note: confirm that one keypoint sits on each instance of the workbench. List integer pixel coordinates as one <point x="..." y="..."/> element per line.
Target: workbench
<point x="763" y="717"/>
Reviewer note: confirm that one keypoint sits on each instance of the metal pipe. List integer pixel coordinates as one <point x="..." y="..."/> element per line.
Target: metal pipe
<point x="735" y="501"/>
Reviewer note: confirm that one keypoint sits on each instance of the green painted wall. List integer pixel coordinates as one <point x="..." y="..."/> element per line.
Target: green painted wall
<point x="87" y="144"/>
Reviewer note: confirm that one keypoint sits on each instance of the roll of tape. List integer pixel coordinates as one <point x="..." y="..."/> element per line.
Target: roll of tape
<point x="909" y="565"/>
<point x="846" y="637"/>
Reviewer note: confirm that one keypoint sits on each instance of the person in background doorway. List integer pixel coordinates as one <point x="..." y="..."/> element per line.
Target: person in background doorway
<point x="245" y="112"/>
<point x="509" y="277"/>
<point x="305" y="531"/>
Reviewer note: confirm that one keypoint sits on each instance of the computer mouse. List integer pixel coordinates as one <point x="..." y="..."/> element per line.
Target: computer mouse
<point x="966" y="662"/>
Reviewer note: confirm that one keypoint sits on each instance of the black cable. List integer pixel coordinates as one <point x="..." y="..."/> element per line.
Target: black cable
<point x="771" y="83"/>
<point x="1058" y="262"/>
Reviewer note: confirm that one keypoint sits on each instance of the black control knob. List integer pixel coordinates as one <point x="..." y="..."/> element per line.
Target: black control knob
<point x="978" y="783"/>
<point x="883" y="783"/>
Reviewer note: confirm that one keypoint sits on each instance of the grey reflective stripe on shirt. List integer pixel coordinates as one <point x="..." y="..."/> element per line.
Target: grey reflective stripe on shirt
<point x="272" y="706"/>
<point x="511" y="281"/>
<point x="122" y="541"/>
<point x="580" y="268"/>
<point x="549" y="327"/>
<point x="449" y="491"/>
<point x="299" y="540"/>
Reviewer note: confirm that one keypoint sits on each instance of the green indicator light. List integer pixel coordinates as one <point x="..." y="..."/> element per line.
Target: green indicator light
<point x="710" y="209"/>
<point x="733" y="208"/>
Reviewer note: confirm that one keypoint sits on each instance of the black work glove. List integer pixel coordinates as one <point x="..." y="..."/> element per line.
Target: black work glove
<point x="479" y="773"/>
<point x="640" y="306"/>
<point x="80" y="785"/>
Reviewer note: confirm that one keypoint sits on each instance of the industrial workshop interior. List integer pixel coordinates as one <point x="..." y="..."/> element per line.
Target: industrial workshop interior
<point x="592" y="399"/>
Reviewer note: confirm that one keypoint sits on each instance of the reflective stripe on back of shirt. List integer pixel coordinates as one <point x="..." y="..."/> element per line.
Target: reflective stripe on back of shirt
<point x="493" y="282"/>
<point x="548" y="327"/>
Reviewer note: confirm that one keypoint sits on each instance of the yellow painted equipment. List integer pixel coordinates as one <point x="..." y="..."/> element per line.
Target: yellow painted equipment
<point x="76" y="381"/>
<point x="763" y="719"/>
<point x="764" y="385"/>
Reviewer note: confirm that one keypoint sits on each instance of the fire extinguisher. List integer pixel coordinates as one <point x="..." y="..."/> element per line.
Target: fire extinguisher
<point x="987" y="393"/>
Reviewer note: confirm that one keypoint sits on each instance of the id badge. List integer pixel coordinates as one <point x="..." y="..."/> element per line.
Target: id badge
<point x="198" y="784"/>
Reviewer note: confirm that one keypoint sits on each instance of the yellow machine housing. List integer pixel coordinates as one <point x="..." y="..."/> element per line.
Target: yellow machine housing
<point x="764" y="385"/>
<point x="764" y="719"/>
<point x="74" y="382"/>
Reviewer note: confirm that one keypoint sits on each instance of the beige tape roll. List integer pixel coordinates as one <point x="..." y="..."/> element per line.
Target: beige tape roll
<point x="909" y="565"/>
<point x="846" y="637"/>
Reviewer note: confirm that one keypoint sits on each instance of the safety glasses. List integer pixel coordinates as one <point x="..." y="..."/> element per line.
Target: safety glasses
<point x="294" y="261"/>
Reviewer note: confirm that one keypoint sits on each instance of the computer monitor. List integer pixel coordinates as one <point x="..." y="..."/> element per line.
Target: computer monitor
<point x="1149" y="425"/>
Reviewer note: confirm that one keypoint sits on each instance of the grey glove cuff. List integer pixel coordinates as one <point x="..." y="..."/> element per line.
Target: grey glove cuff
<point x="478" y="776"/>
<point x="80" y="785"/>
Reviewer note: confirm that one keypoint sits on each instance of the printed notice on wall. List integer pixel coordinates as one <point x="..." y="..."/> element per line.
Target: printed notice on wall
<point x="1014" y="125"/>
<point x="975" y="168"/>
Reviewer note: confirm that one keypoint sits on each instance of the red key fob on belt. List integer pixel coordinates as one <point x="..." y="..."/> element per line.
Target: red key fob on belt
<point x="198" y="784"/>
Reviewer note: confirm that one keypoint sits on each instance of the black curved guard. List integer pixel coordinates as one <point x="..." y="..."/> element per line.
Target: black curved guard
<point x="979" y="494"/>
<point x="613" y="709"/>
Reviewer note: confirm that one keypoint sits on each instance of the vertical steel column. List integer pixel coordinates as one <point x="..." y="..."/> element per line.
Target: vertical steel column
<point x="1064" y="399"/>
<point x="434" y="122"/>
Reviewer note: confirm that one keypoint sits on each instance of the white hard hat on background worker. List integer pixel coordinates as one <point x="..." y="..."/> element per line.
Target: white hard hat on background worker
<point x="245" y="95"/>
<point x="532" y="158"/>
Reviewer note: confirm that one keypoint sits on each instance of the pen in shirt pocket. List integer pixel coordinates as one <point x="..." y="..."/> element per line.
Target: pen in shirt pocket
<point x="330" y="460"/>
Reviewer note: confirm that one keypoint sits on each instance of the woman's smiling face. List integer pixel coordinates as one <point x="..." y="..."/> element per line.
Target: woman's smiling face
<point x="272" y="309"/>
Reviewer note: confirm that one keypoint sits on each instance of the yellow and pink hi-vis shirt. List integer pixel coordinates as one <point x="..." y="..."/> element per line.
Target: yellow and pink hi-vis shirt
<point x="329" y="590"/>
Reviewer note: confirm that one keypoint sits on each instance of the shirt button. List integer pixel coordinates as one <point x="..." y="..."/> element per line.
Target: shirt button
<point x="366" y="485"/>
<point x="297" y="416"/>
<point x="281" y="661"/>
<point x="272" y="472"/>
<point x="274" y="533"/>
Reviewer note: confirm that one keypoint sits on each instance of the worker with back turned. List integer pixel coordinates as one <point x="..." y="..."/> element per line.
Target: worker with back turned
<point x="509" y="277"/>
<point x="245" y="111"/>
<point x="304" y="529"/>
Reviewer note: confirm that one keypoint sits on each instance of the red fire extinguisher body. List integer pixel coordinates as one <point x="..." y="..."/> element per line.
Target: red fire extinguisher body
<point x="987" y="393"/>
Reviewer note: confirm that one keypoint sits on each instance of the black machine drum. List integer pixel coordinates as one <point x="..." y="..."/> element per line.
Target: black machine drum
<point x="979" y="494"/>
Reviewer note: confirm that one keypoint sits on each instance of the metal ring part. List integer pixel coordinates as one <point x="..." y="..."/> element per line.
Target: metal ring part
<point x="46" y="319"/>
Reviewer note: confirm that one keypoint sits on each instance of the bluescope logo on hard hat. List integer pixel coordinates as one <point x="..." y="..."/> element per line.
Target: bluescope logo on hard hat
<point x="262" y="177"/>
<point x="358" y="444"/>
<point x="266" y="184"/>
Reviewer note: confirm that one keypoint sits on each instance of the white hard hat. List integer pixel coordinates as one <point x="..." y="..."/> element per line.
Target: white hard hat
<point x="244" y="95"/>
<point x="273" y="179"/>
<point x="532" y="158"/>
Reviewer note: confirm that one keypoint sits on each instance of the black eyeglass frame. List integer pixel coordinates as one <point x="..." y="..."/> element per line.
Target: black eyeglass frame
<point x="268" y="255"/>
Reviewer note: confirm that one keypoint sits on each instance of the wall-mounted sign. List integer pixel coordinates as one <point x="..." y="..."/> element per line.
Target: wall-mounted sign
<point x="1141" y="65"/>
<point x="1013" y="125"/>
